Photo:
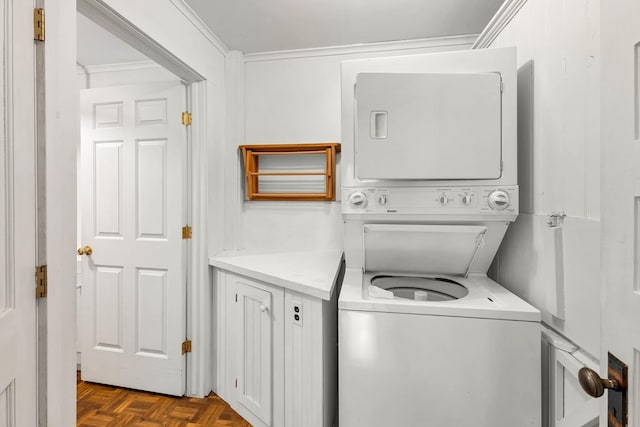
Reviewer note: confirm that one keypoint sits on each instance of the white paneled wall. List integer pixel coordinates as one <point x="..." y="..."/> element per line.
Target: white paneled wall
<point x="294" y="97"/>
<point x="559" y="166"/>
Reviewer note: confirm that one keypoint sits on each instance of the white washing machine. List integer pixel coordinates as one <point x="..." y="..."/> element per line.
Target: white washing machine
<point x="429" y="156"/>
<point x="427" y="339"/>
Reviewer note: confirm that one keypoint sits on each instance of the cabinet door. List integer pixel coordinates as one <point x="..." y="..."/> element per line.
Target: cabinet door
<point x="254" y="349"/>
<point x="570" y="405"/>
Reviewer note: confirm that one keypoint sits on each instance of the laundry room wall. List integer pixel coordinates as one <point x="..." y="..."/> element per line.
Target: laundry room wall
<point x="555" y="268"/>
<point x="294" y="97"/>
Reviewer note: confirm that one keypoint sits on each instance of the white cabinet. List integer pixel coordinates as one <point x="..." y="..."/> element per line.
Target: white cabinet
<point x="276" y="352"/>
<point x="565" y="404"/>
<point x="254" y="347"/>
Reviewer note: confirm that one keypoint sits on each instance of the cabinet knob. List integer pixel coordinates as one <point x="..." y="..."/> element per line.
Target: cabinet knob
<point x="264" y="308"/>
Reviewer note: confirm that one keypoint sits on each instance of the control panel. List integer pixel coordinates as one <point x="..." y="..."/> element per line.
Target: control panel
<point x="430" y="200"/>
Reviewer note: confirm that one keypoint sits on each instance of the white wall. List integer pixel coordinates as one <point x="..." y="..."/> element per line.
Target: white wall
<point x="294" y="97"/>
<point x="559" y="166"/>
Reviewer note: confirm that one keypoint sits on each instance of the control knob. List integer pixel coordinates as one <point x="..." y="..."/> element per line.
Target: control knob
<point x="466" y="199"/>
<point x="358" y="199"/>
<point x="443" y="199"/>
<point x="499" y="200"/>
<point x="382" y="199"/>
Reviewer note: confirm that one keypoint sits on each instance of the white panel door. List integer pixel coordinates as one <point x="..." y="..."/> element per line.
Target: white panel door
<point x="620" y="160"/>
<point x="133" y="297"/>
<point x="255" y="349"/>
<point x="17" y="218"/>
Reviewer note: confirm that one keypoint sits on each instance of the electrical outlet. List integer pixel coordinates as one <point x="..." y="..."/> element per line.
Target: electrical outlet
<point x="296" y="313"/>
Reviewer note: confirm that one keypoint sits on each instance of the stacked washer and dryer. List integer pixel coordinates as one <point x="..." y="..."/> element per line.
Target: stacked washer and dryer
<point x="429" y="159"/>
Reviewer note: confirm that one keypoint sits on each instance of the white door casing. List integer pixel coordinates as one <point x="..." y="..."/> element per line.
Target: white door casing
<point x="17" y="218"/>
<point x="190" y="53"/>
<point x="134" y="283"/>
<point x="620" y="160"/>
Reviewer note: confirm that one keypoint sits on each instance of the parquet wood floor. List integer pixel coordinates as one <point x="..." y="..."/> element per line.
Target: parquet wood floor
<point x="106" y="406"/>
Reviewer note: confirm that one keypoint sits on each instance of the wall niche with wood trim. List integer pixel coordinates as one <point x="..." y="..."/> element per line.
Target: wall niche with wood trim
<point x="291" y="172"/>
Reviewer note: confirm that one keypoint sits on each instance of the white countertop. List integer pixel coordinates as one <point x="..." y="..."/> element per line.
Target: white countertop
<point x="310" y="273"/>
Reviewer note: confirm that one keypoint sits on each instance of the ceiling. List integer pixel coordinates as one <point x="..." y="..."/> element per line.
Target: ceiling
<point x="97" y="46"/>
<point x="263" y="26"/>
<point x="254" y="26"/>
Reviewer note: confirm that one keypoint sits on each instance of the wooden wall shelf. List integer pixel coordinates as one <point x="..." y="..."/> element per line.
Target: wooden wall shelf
<point x="251" y="158"/>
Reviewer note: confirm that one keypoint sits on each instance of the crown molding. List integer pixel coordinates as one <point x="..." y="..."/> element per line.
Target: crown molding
<point x="197" y="22"/>
<point x="362" y="48"/>
<point x="110" y="68"/>
<point x="500" y="20"/>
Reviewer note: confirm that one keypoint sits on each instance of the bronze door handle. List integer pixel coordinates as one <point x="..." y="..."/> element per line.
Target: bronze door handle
<point x="593" y="385"/>
<point x="85" y="250"/>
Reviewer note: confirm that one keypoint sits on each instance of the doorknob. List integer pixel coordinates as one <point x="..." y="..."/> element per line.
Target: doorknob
<point x="618" y="399"/>
<point x="85" y="250"/>
<point x="593" y="385"/>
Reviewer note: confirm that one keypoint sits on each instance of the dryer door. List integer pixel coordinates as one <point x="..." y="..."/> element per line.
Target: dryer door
<point x="428" y="126"/>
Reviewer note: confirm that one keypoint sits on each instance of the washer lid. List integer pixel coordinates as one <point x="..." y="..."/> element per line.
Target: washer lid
<point x="437" y="249"/>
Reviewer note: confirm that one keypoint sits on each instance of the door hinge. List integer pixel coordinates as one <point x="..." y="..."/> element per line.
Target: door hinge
<point x="186" y="346"/>
<point x="187" y="119"/>
<point x="41" y="281"/>
<point x="187" y="232"/>
<point x="38" y="24"/>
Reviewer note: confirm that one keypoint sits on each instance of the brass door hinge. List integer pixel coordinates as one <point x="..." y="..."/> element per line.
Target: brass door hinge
<point x="41" y="281"/>
<point x="187" y="119"/>
<point x="38" y="24"/>
<point x="187" y="232"/>
<point x="186" y="346"/>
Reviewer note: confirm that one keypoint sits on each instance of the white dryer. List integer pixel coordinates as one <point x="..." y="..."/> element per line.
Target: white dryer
<point x="429" y="156"/>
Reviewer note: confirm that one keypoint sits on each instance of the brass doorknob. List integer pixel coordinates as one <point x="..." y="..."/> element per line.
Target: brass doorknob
<point x="593" y="385"/>
<point x="85" y="250"/>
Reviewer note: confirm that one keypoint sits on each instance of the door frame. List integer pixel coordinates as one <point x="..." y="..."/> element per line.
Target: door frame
<point x="62" y="135"/>
<point x="194" y="173"/>
<point x="166" y="376"/>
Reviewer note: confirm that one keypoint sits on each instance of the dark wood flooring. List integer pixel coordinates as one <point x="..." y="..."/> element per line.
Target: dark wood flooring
<point x="107" y="406"/>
